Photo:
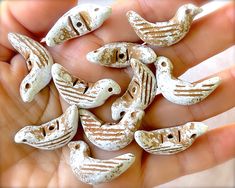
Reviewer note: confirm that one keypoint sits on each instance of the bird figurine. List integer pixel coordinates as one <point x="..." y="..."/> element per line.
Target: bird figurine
<point x="170" y="140"/>
<point x="38" y="61"/>
<point x="95" y="171"/>
<point x="118" y="54"/>
<point x="111" y="136"/>
<point x="78" y="21"/>
<point x="179" y="91"/>
<point x="166" y="33"/>
<point x="53" y="134"/>
<point x="140" y="92"/>
<point x="84" y="95"/>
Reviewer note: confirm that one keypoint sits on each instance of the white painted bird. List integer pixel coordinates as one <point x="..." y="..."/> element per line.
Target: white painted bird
<point x="170" y="140"/>
<point x="84" y="95"/>
<point x="111" y="136"/>
<point x="179" y="91"/>
<point x="38" y="61"/>
<point x="95" y="171"/>
<point x="164" y="33"/>
<point x="53" y="134"/>
<point x="78" y="21"/>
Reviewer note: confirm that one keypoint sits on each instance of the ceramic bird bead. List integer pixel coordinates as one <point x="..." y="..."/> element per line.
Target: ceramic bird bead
<point x="164" y="33"/>
<point x="118" y="55"/>
<point x="84" y="95"/>
<point x="78" y="21"/>
<point x="140" y="92"/>
<point x="95" y="171"/>
<point x="170" y="140"/>
<point x="179" y="91"/>
<point x="38" y="61"/>
<point x="111" y="136"/>
<point x="53" y="134"/>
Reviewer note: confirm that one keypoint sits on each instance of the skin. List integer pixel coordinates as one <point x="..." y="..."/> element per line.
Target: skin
<point x="23" y="166"/>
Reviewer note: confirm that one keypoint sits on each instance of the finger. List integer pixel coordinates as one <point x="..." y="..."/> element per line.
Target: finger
<point x="32" y="18"/>
<point x="162" y="113"/>
<point x="209" y="35"/>
<point x="211" y="149"/>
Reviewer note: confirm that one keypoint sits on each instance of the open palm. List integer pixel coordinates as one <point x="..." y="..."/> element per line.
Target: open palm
<point x="23" y="166"/>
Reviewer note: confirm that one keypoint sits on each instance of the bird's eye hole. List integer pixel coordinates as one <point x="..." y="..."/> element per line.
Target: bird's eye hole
<point x="133" y="114"/>
<point x="188" y="11"/>
<point x="110" y="89"/>
<point x="122" y="113"/>
<point x="29" y="63"/>
<point x="95" y="51"/>
<point x="170" y="136"/>
<point x="77" y="146"/>
<point x="51" y="127"/>
<point x="96" y="9"/>
<point x="27" y="86"/>
<point x="134" y="89"/>
<point x="193" y="136"/>
<point x="24" y="140"/>
<point x="79" y="24"/>
<point x="121" y="56"/>
<point x="163" y="64"/>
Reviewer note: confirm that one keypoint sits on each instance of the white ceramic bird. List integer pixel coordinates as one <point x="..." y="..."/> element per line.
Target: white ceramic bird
<point x="118" y="54"/>
<point x="140" y="92"/>
<point x="84" y="95"/>
<point x="111" y="136"/>
<point x="53" y="134"/>
<point x="95" y="171"/>
<point x="179" y="91"/>
<point x="38" y="61"/>
<point x="78" y="21"/>
<point x="170" y="140"/>
<point x="164" y="33"/>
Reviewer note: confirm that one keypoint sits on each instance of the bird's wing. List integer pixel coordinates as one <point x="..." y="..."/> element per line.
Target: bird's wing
<point x="105" y="170"/>
<point x="89" y="121"/>
<point x="156" y="31"/>
<point x="200" y="89"/>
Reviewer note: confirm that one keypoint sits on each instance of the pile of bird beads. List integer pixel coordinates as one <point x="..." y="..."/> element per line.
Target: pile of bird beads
<point x="130" y="107"/>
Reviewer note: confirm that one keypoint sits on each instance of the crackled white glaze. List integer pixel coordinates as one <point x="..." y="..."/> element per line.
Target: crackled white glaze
<point x="95" y="171"/>
<point x="179" y="91"/>
<point x="78" y="21"/>
<point x="38" y="61"/>
<point x="164" y="33"/>
<point x="84" y="95"/>
<point x="170" y="140"/>
<point x="118" y="54"/>
<point x="140" y="92"/>
<point x="53" y="134"/>
<point x="111" y="136"/>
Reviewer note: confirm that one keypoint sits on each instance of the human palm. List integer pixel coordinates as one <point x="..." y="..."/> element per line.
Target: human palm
<point x="23" y="166"/>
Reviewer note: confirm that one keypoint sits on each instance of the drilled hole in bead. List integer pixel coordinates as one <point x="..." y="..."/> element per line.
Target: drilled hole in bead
<point x="188" y="11"/>
<point x="170" y="136"/>
<point x="79" y="24"/>
<point x="27" y="86"/>
<point x="193" y="136"/>
<point x="51" y="127"/>
<point x="95" y="51"/>
<point x="122" y="113"/>
<point x="77" y="146"/>
<point x="24" y="140"/>
<point x="134" y="89"/>
<point x="163" y="64"/>
<point x="96" y="9"/>
<point x="110" y="89"/>
<point x="121" y="56"/>
<point x="133" y="114"/>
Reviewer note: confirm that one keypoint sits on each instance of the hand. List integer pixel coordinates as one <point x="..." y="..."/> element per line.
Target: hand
<point x="23" y="166"/>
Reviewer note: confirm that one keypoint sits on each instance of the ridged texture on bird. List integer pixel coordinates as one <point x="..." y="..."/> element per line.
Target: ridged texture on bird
<point x="179" y="91"/>
<point x="118" y="54"/>
<point x="111" y="136"/>
<point x="96" y="171"/>
<point x="38" y="61"/>
<point x="164" y="33"/>
<point x="51" y="135"/>
<point x="78" y="21"/>
<point x="170" y="140"/>
<point x="84" y="95"/>
<point x="140" y="92"/>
